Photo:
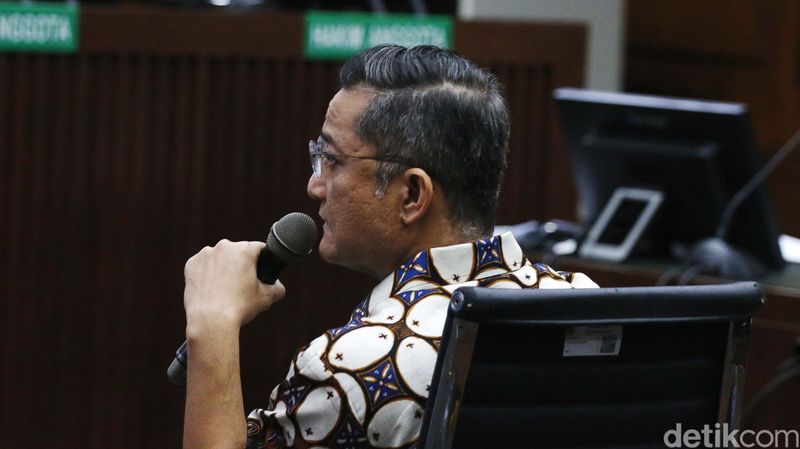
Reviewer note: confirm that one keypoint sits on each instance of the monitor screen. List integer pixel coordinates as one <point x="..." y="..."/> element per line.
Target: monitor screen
<point x="697" y="153"/>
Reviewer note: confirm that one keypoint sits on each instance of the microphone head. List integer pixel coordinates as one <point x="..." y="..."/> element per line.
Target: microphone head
<point x="292" y="237"/>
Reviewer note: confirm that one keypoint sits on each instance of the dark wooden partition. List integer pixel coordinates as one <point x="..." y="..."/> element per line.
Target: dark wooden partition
<point x="170" y="130"/>
<point x="745" y="51"/>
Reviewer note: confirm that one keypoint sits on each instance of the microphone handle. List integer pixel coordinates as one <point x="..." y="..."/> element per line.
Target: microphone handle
<point x="268" y="267"/>
<point x="177" y="369"/>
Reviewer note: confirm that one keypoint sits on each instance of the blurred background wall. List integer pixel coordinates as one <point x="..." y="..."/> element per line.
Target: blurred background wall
<point x="176" y="126"/>
<point x="604" y="21"/>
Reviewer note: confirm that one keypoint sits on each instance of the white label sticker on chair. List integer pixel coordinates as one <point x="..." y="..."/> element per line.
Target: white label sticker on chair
<point x="592" y="340"/>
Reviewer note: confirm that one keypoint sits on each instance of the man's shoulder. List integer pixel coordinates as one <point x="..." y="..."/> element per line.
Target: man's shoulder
<point x="537" y="275"/>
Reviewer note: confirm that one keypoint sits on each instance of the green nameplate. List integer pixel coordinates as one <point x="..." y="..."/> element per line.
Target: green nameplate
<point x="331" y="35"/>
<point x="39" y="27"/>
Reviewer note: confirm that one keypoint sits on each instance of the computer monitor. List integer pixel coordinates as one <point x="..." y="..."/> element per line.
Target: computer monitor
<point x="697" y="153"/>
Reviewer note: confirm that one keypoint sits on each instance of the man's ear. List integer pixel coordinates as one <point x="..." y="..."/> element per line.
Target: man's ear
<point x="418" y="195"/>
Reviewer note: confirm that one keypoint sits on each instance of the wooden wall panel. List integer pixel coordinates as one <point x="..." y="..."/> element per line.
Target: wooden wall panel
<point x="169" y="131"/>
<point x="531" y="61"/>
<point x="744" y="51"/>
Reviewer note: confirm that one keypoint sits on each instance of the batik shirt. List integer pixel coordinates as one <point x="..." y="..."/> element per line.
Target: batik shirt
<point x="365" y="384"/>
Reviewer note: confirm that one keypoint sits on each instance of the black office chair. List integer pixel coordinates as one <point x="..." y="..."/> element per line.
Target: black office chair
<point x="589" y="368"/>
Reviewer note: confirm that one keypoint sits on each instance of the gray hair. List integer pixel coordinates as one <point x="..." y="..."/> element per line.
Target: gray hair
<point x="441" y="113"/>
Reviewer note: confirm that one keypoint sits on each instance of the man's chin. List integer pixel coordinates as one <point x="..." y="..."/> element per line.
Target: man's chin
<point x="327" y="252"/>
<point x="331" y="255"/>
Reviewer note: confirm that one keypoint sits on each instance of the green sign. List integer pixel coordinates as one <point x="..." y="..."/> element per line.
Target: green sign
<point x="39" y="27"/>
<point x="331" y="35"/>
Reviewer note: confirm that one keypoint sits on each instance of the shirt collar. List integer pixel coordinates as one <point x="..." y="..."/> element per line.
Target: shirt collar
<point x="456" y="264"/>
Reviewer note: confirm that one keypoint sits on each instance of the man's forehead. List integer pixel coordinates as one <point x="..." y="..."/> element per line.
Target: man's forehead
<point x="333" y="111"/>
<point x="348" y="103"/>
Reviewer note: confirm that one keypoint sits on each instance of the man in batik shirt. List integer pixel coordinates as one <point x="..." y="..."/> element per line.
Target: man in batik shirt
<point x="407" y="170"/>
<point x="365" y="384"/>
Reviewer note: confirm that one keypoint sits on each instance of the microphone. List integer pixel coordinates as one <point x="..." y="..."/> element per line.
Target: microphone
<point x="714" y="254"/>
<point x="290" y="239"/>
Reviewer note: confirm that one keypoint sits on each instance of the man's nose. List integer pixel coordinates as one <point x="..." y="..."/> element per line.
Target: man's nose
<point x="315" y="188"/>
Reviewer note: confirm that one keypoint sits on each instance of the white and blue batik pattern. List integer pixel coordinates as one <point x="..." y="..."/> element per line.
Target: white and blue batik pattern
<point x="364" y="384"/>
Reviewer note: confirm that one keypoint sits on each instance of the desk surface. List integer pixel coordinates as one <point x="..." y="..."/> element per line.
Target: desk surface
<point x="785" y="282"/>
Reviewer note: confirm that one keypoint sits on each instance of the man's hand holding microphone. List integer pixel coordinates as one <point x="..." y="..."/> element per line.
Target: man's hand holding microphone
<point x="228" y="284"/>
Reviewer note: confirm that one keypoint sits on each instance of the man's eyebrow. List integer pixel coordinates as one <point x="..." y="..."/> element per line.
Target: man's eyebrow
<point x="329" y="140"/>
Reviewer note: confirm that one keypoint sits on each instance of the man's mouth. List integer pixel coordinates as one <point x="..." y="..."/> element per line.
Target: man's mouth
<point x="324" y="222"/>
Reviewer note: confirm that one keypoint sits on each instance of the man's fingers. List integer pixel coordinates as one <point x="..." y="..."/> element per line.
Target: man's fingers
<point x="249" y="247"/>
<point x="256" y="247"/>
<point x="277" y="287"/>
<point x="227" y="253"/>
<point x="272" y="293"/>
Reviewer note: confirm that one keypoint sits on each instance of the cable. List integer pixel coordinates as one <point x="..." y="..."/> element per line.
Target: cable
<point x="693" y="270"/>
<point x="768" y="389"/>
<point x="755" y="181"/>
<point x="669" y="274"/>
<point x="787" y="371"/>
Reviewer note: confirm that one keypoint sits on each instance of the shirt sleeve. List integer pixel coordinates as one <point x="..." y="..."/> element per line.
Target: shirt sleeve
<point x="580" y="280"/>
<point x="344" y="389"/>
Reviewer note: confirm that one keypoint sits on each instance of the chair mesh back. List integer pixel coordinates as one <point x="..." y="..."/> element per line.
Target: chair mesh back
<point x="523" y="393"/>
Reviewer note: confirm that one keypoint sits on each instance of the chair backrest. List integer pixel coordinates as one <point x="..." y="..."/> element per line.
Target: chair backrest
<point x="607" y="367"/>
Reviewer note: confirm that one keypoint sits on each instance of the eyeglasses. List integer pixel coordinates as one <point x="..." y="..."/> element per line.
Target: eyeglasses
<point x="317" y="155"/>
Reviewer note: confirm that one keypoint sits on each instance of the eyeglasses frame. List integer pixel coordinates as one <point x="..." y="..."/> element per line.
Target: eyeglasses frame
<point x="317" y="155"/>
